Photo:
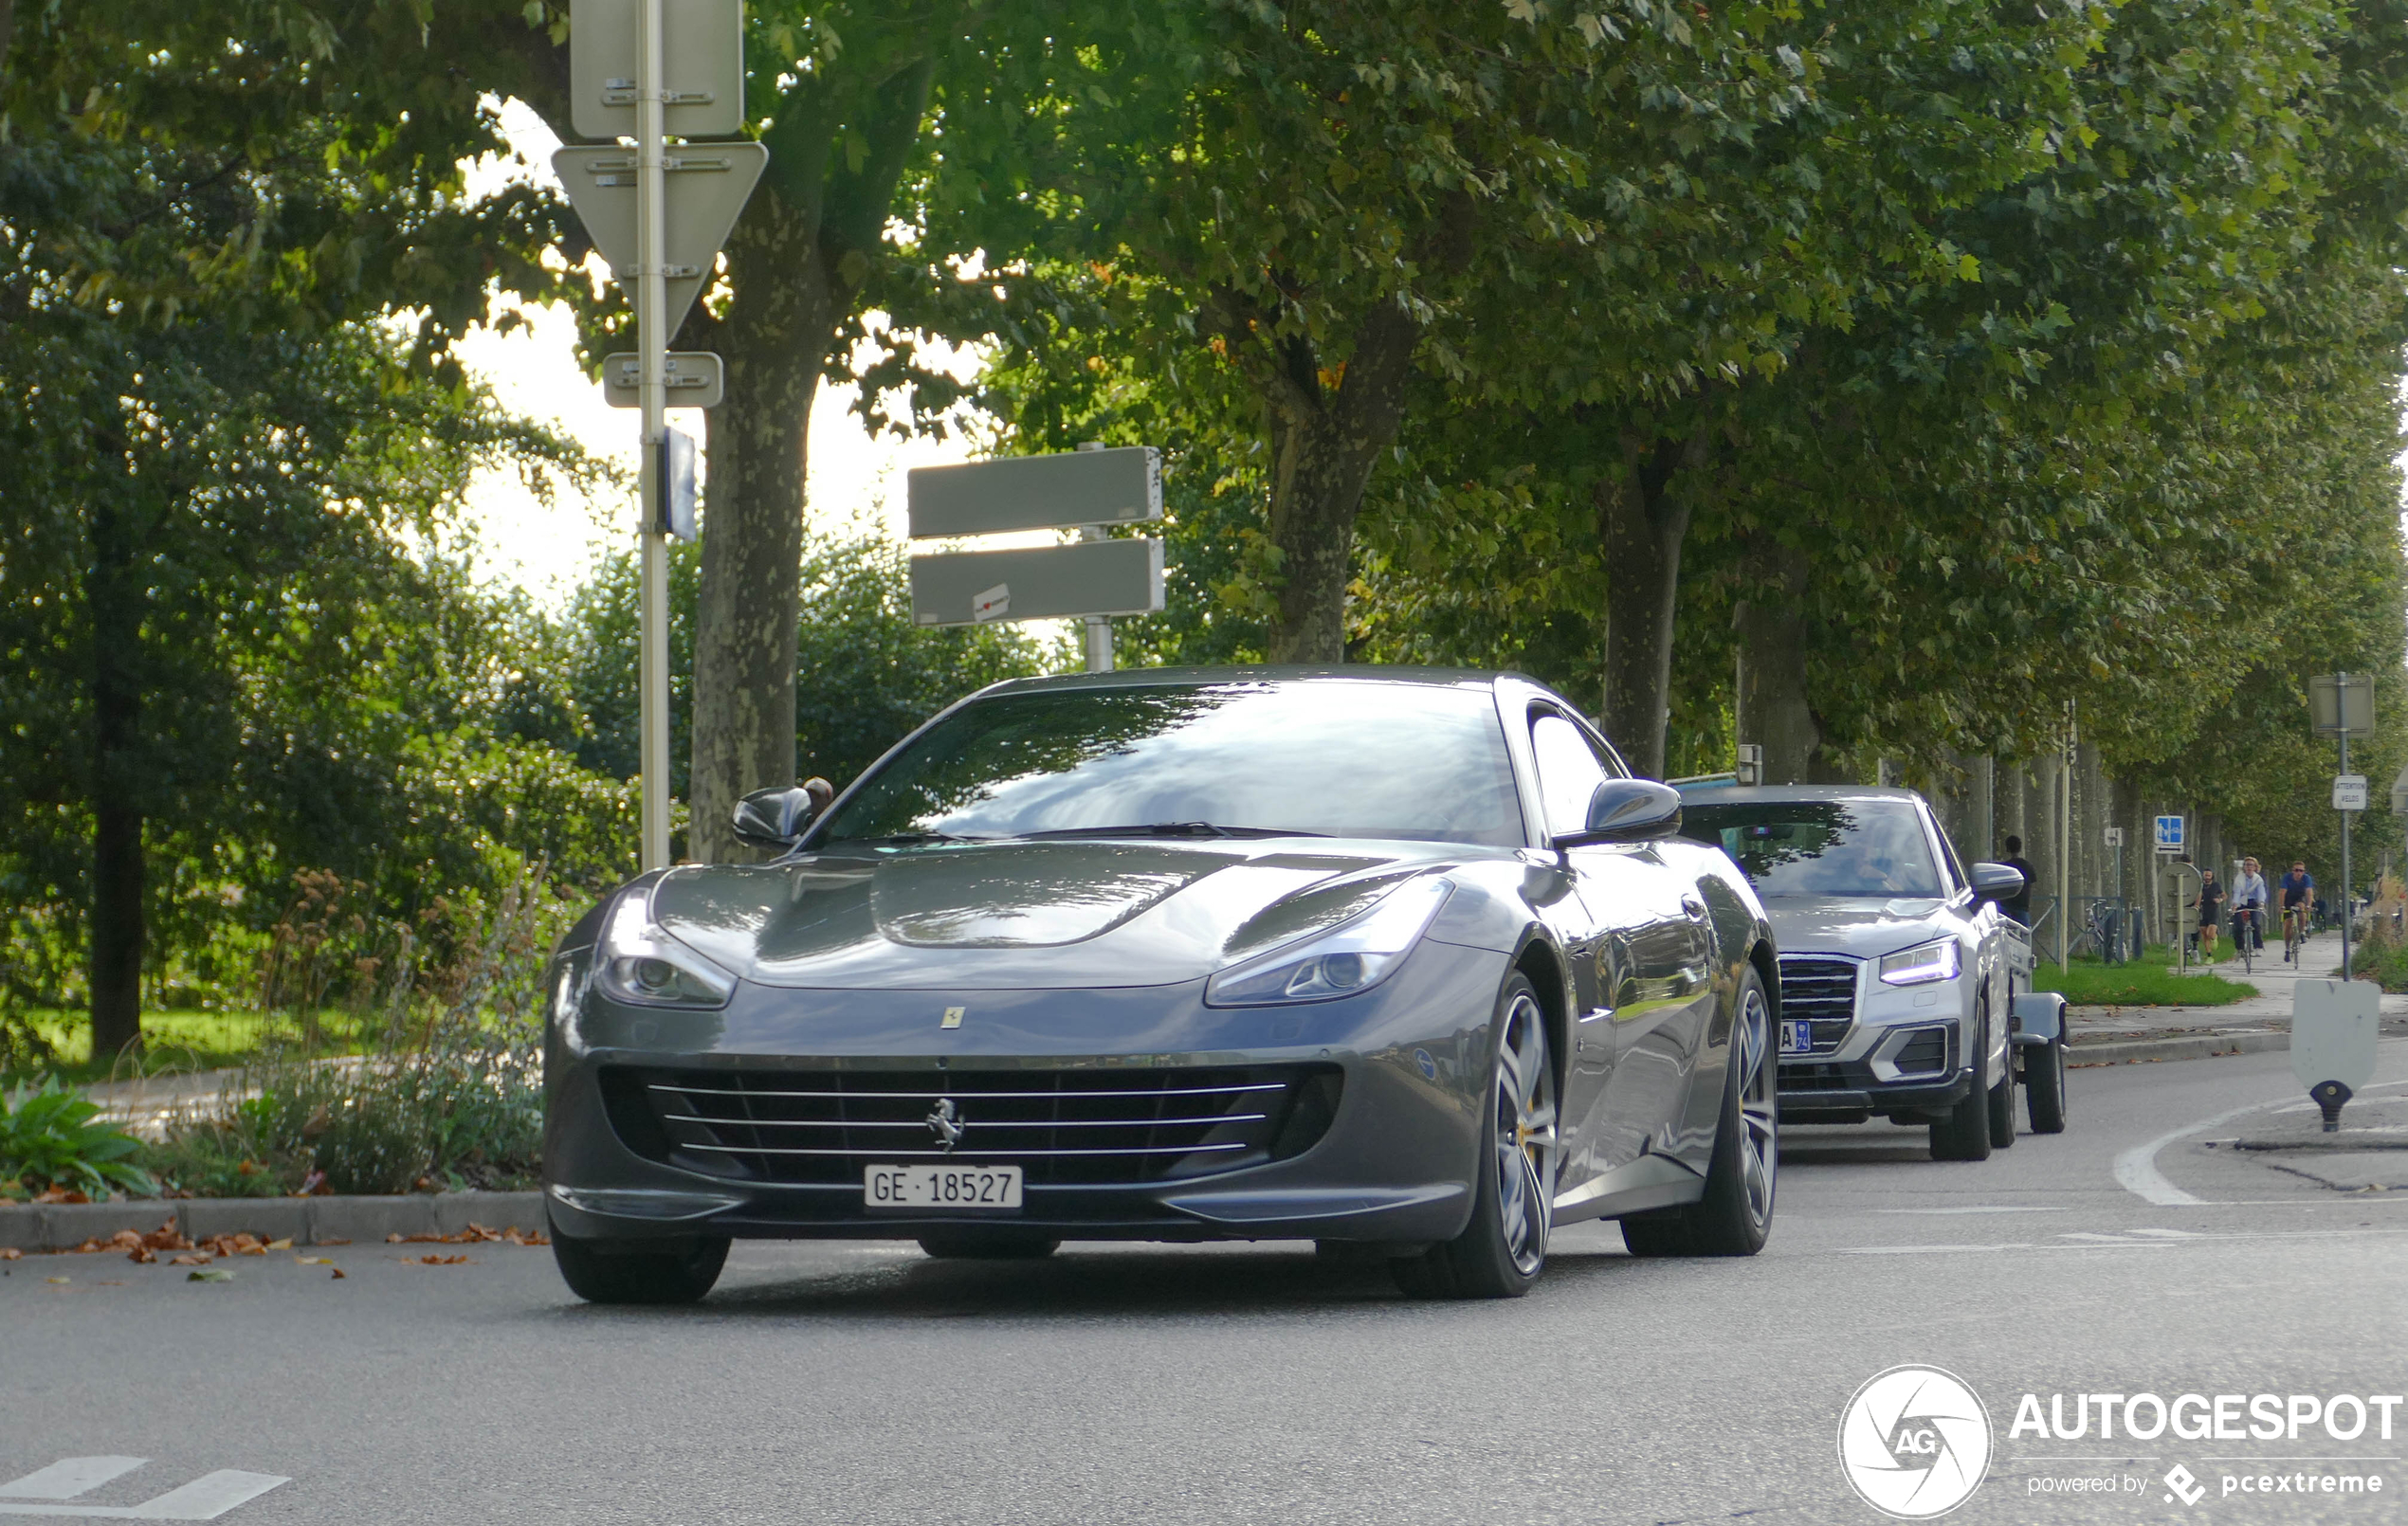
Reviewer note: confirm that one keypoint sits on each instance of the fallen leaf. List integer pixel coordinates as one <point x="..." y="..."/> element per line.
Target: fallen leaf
<point x="313" y="1260"/>
<point x="12" y="1253"/>
<point x="393" y="1240"/>
<point x="334" y="1241"/>
<point x="190" y="1261"/>
<point x="212" y="1274"/>
<point x="338" y="1274"/>
<point x="125" y="1240"/>
<point x="285" y="1244"/>
<point x="61" y="1194"/>
<point x="141" y="1255"/>
<point x="167" y="1237"/>
<point x="436" y="1260"/>
<point x="58" y="1280"/>
<point x="89" y="1247"/>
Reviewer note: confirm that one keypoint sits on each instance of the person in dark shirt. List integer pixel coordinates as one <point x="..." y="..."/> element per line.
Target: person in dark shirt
<point x="2211" y="906"/>
<point x="2019" y="905"/>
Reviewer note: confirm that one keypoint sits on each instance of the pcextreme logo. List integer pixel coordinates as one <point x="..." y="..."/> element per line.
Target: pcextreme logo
<point x="1914" y="1441"/>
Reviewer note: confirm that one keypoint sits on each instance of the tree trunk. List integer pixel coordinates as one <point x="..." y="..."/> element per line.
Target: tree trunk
<point x="1774" y="710"/>
<point x="774" y="338"/>
<point x="1643" y="521"/>
<point x="113" y="598"/>
<point x="1324" y="441"/>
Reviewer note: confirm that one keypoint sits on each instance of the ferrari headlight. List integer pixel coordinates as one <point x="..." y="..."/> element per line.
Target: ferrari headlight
<point x="1921" y="965"/>
<point x="639" y="964"/>
<point x="1353" y="957"/>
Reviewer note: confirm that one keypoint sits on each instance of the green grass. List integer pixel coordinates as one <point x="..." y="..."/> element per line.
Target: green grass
<point x="2089" y="983"/>
<point x="179" y="1040"/>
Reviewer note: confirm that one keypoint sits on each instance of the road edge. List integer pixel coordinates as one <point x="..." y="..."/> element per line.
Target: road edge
<point x="36" y="1227"/>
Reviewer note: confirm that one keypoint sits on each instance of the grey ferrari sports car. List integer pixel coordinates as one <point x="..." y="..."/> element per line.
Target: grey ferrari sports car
<point x="1401" y="960"/>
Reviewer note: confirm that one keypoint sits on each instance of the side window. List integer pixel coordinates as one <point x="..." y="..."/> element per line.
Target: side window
<point x="1956" y="875"/>
<point x="1569" y="772"/>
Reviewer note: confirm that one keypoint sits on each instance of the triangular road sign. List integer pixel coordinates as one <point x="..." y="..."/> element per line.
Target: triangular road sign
<point x="708" y="183"/>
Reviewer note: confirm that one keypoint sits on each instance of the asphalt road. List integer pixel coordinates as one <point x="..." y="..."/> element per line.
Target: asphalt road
<point x="863" y="1383"/>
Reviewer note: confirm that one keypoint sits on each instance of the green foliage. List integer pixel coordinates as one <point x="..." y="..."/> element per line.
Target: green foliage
<point x="47" y="1140"/>
<point x="2090" y="983"/>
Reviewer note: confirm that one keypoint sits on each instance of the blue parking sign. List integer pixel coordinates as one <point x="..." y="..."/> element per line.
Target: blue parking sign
<point x="2169" y="834"/>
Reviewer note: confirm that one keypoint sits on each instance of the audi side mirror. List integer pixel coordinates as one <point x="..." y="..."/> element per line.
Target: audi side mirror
<point x="774" y="818"/>
<point x="1997" y="881"/>
<point x="1628" y="811"/>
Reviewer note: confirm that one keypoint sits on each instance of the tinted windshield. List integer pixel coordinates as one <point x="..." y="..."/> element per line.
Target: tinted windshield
<point x="1336" y="757"/>
<point x="1824" y="847"/>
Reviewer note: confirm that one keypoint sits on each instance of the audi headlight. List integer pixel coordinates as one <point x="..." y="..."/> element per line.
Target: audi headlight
<point x="639" y="964"/>
<point x="1921" y="965"/>
<point x="1353" y="957"/>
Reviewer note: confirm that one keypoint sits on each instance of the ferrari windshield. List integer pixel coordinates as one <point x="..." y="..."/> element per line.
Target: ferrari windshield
<point x="1335" y="757"/>
<point x="1821" y="848"/>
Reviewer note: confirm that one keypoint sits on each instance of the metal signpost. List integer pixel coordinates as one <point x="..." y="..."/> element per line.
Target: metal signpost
<point x="1092" y="579"/>
<point x="646" y="70"/>
<point x="2342" y="705"/>
<point x="2170" y="838"/>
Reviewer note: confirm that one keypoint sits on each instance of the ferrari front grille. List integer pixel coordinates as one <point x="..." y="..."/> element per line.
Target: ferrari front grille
<point x="1063" y="1127"/>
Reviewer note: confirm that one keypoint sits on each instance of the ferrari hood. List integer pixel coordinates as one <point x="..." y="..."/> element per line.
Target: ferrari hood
<point x="1847" y="924"/>
<point x="1020" y="914"/>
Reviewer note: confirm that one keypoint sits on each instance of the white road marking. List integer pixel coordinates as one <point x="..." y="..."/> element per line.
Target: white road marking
<point x="69" y="1477"/>
<point x="206" y="1497"/>
<point x="2090" y="1242"/>
<point x="1977" y="1208"/>
<point x="2136" y="1169"/>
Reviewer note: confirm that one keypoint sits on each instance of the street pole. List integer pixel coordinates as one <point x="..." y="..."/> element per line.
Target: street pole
<point x="2065" y="839"/>
<point x="2348" y="906"/>
<point x="651" y="303"/>
<point x="1099" y="626"/>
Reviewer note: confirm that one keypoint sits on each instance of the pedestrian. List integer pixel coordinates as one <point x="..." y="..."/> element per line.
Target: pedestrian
<point x="2019" y="905"/>
<point x="2211" y="906"/>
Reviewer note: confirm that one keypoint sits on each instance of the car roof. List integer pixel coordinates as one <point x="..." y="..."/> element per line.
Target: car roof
<point x="1448" y="678"/>
<point x="1786" y="793"/>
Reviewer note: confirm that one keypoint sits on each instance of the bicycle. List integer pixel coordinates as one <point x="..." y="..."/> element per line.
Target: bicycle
<point x="2246" y="941"/>
<point x="2294" y="933"/>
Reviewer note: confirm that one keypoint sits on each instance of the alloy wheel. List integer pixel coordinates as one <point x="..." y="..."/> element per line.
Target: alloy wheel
<point x="1525" y="1122"/>
<point x="1759" y="1106"/>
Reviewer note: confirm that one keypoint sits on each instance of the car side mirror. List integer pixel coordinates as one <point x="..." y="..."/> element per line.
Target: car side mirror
<point x="1997" y="881"/>
<point x="1628" y="811"/>
<point x="775" y="818"/>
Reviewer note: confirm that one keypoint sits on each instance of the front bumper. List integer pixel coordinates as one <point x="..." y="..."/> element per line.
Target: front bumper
<point x="1886" y="1071"/>
<point x="1392" y="1164"/>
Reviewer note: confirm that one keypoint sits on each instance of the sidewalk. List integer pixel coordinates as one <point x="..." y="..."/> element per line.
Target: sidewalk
<point x="2107" y="1035"/>
<point x="147" y="1104"/>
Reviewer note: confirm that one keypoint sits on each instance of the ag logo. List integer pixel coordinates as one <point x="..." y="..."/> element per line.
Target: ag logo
<point x="1914" y="1443"/>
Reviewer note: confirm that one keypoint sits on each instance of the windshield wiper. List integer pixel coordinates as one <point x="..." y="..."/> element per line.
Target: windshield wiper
<point x="915" y="839"/>
<point x="1169" y="829"/>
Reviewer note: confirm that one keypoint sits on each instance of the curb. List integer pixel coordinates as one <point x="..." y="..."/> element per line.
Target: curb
<point x="35" y="1228"/>
<point x="2197" y="1047"/>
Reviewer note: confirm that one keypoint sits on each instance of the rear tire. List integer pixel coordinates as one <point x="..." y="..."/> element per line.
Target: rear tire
<point x="982" y="1243"/>
<point x="2044" y="1086"/>
<point x="1500" y="1254"/>
<point x="640" y="1271"/>
<point x="1735" y="1215"/>
<point x="2002" y="1100"/>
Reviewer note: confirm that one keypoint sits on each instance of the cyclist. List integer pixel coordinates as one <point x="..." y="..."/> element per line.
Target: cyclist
<point x="2298" y="890"/>
<point x="2211" y="906"/>
<point x="2249" y="906"/>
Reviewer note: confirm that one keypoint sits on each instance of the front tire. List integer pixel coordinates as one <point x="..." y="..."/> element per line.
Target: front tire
<point x="2001" y="1104"/>
<point x="1500" y="1254"/>
<point x="1735" y="1215"/>
<point x="1967" y="1133"/>
<point x="640" y="1271"/>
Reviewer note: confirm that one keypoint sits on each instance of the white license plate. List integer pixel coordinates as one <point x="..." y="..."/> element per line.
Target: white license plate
<point x="941" y="1186"/>
<point x="1797" y="1038"/>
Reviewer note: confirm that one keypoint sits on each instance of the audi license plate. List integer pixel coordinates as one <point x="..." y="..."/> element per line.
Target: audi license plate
<point x="1797" y="1038"/>
<point x="941" y="1187"/>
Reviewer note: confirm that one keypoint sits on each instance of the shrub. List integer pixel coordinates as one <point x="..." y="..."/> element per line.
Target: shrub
<point x="47" y="1140"/>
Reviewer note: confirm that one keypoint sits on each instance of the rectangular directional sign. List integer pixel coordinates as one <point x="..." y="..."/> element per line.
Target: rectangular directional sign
<point x="696" y="379"/>
<point x="702" y="43"/>
<point x="1037" y="583"/>
<point x="707" y="187"/>
<point x="1058" y="492"/>
<point x="2349" y="792"/>
<point x="2169" y="834"/>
